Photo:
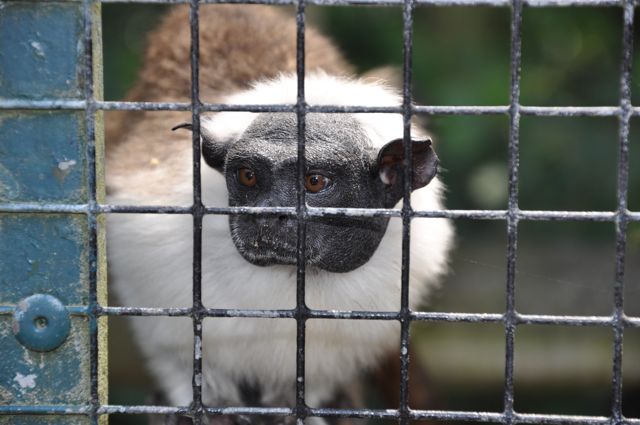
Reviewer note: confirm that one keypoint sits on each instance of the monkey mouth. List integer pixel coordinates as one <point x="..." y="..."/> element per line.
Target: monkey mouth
<point x="264" y="251"/>
<point x="268" y="259"/>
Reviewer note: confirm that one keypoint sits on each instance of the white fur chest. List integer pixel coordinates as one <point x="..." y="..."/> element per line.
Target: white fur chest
<point x="150" y="259"/>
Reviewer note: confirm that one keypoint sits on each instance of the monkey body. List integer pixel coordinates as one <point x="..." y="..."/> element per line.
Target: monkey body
<point x="250" y="264"/>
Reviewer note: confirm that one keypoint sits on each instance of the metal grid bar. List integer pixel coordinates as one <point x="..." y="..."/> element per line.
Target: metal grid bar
<point x="90" y="115"/>
<point x="436" y="415"/>
<point x="421" y="316"/>
<point x="405" y="319"/>
<point x="618" y="321"/>
<point x="301" y="310"/>
<point x="196" y="410"/>
<point x="621" y="219"/>
<point x="512" y="218"/>
<point x="540" y="111"/>
<point x="531" y="215"/>
<point x="495" y="3"/>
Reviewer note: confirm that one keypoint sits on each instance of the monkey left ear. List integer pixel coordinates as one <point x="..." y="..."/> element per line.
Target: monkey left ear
<point x="213" y="153"/>
<point x="424" y="167"/>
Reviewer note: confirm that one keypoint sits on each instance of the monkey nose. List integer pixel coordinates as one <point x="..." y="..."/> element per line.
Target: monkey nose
<point x="273" y="221"/>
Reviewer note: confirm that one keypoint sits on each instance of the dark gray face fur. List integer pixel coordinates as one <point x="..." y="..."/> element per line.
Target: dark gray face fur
<point x="336" y="148"/>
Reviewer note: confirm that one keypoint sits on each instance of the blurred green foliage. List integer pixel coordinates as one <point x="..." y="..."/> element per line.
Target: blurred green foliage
<point x="461" y="56"/>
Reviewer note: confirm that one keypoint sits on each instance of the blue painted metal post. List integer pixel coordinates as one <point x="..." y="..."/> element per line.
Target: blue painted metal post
<point x="52" y="268"/>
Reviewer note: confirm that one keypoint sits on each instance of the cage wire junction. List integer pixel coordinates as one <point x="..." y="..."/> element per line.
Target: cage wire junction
<point x="617" y="321"/>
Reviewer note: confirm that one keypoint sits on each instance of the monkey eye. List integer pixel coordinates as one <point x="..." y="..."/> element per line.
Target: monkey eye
<point x="316" y="182"/>
<point x="247" y="177"/>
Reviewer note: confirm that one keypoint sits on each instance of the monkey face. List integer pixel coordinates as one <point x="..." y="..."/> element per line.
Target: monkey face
<point x="342" y="170"/>
<point x="261" y="171"/>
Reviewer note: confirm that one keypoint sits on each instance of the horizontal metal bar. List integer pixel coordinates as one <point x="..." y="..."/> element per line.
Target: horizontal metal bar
<point x="145" y="209"/>
<point x="354" y="413"/>
<point x="267" y="314"/>
<point x="419" y="316"/>
<point x="457" y="416"/>
<point x="354" y="315"/>
<point x="54" y="104"/>
<point x="353" y="109"/>
<point x="288" y="211"/>
<point x="44" y="208"/>
<point x="633" y="322"/>
<point x="397" y="3"/>
<point x="468" y="214"/>
<point x="170" y="410"/>
<point x="534" y="215"/>
<point x="500" y="417"/>
<point x="440" y="415"/>
<point x="460" y="110"/>
<point x="540" y="319"/>
<point x="523" y="319"/>
<point x="142" y="410"/>
<point x="143" y="106"/>
<point x="44" y="410"/>
<point x="457" y="317"/>
<point x="571" y="111"/>
<point x="145" y="311"/>
<point x="75" y="310"/>
<point x="523" y="418"/>
<point x="272" y="411"/>
<point x="548" y="111"/>
<point x="532" y="418"/>
<point x="213" y="107"/>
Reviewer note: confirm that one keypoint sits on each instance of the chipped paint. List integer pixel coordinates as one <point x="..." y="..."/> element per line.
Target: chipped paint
<point x="63" y="169"/>
<point x="198" y="348"/>
<point x="26" y="381"/>
<point x="60" y="376"/>
<point x="38" y="49"/>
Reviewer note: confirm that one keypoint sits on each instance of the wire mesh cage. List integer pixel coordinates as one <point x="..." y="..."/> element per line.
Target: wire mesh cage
<point x="95" y="409"/>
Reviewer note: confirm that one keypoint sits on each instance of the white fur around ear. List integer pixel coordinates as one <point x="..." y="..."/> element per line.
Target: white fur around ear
<point x="320" y="89"/>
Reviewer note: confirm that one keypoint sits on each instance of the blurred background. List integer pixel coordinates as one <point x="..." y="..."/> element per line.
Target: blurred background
<point x="570" y="56"/>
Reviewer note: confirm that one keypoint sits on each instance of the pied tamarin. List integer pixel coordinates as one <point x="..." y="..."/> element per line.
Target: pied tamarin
<point x="248" y="56"/>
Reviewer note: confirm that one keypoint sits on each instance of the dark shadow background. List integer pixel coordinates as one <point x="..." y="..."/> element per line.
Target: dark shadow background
<point x="461" y="56"/>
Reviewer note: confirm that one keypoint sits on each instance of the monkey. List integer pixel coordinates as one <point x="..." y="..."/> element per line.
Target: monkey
<point x="247" y="56"/>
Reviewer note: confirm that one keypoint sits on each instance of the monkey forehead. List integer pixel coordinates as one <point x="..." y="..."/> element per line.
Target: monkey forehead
<point x="338" y="137"/>
<point x="320" y="89"/>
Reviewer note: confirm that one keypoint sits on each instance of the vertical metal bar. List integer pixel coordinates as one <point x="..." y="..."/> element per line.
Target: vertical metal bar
<point x="197" y="409"/>
<point x="90" y="113"/>
<point x="621" y="219"/>
<point x="405" y="319"/>
<point x="301" y="306"/>
<point x="512" y="215"/>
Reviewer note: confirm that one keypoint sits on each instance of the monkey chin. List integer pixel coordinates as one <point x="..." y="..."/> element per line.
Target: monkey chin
<point x="268" y="255"/>
<point x="266" y="258"/>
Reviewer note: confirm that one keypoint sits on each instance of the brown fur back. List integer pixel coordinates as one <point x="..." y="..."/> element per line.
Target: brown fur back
<point x="238" y="44"/>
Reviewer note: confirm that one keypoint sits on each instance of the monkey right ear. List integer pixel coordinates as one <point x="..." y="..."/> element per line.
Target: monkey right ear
<point x="424" y="167"/>
<point x="213" y="153"/>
